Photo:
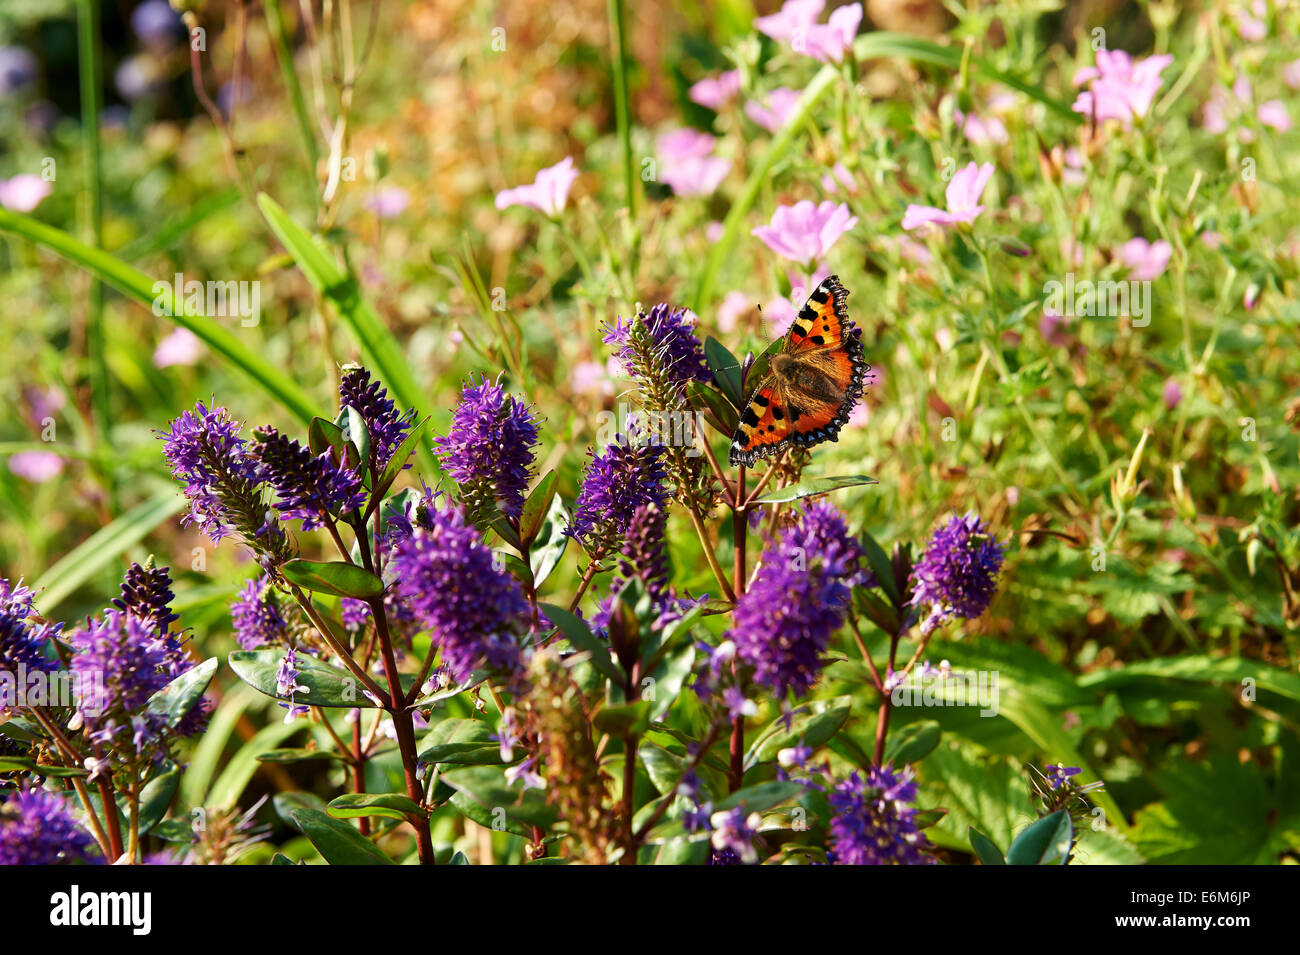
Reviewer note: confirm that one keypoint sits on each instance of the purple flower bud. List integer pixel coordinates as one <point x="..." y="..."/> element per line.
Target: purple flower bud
<point x="308" y="487"/>
<point x="256" y="615"/>
<point x="386" y="426"/>
<point x="958" y="574"/>
<point x="617" y="482"/>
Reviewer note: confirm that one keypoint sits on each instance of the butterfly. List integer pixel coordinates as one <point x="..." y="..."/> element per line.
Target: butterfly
<point x="812" y="382"/>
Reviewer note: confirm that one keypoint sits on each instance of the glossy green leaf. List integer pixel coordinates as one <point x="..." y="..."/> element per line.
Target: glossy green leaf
<point x="337" y="842"/>
<point x="985" y="850"/>
<point x="487" y="786"/>
<point x="1045" y="842"/>
<point x="333" y="577"/>
<point x="388" y="805"/>
<point x="813" y="487"/>
<point x="326" y="685"/>
<point x="182" y="694"/>
<point x="580" y="638"/>
<point x="912" y="743"/>
<point x="814" y="724"/>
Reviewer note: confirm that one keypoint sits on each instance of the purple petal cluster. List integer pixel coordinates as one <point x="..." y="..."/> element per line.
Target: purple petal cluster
<point x="256" y="615"/>
<point x="387" y="427"/>
<point x="446" y="574"/>
<point x="796" y="602"/>
<point x="958" y="574"/>
<point x="221" y="481"/>
<point x="491" y="443"/>
<point x="874" y="821"/>
<point x="617" y="482"/>
<point x="660" y="349"/>
<point x="308" y="487"/>
<point x="37" y="828"/>
<point x="21" y="641"/>
<point x="122" y="663"/>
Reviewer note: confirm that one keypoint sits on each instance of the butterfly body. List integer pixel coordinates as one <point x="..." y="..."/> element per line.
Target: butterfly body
<point x="811" y="385"/>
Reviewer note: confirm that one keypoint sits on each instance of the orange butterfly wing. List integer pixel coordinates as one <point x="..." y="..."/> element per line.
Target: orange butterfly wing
<point x="827" y="348"/>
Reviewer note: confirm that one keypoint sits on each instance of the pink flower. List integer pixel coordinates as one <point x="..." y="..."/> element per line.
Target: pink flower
<point x="801" y="286"/>
<point x="548" y="192"/>
<point x="805" y="233"/>
<point x="962" y="196"/>
<point x="1172" y="394"/>
<point x="781" y="104"/>
<point x="1251" y="29"/>
<point x="839" y="179"/>
<point x="181" y="347"/>
<point x="791" y="21"/>
<point x="1050" y="327"/>
<point x="714" y="231"/>
<point x="1212" y="239"/>
<point x="696" y="176"/>
<point x="685" y="143"/>
<point x="778" y="316"/>
<point x="1291" y="74"/>
<point x="828" y="42"/>
<point x="1273" y="113"/>
<point x="24" y="192"/>
<point x="978" y="130"/>
<point x="1119" y="88"/>
<point x="1146" y="260"/>
<point x="716" y="92"/>
<point x="591" y="378"/>
<point x="734" y="306"/>
<point x="36" y="466"/>
<point x="389" y="203"/>
<point x="687" y="164"/>
<point x="913" y="251"/>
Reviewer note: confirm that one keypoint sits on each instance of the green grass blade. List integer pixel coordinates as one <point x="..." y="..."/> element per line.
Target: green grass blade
<point x="79" y="565"/>
<point x="382" y="351"/>
<point x="776" y="149"/>
<point x="138" y="287"/>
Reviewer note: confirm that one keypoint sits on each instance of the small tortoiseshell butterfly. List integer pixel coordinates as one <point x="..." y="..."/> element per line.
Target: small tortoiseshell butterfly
<point x="811" y="385"/>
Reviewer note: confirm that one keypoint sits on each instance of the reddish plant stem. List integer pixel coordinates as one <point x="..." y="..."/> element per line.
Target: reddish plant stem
<point x="359" y="773"/>
<point x="886" y="705"/>
<point x="740" y="574"/>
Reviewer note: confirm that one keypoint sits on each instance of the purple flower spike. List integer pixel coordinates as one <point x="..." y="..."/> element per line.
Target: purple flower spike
<point x="446" y="574"/>
<point x="660" y="350"/>
<point x="125" y="663"/>
<point x="490" y="447"/>
<point x="147" y="593"/>
<point x="308" y="488"/>
<point x="798" y="599"/>
<point x="387" y="427"/>
<point x="256" y="616"/>
<point x="221" y="480"/>
<point x="874" y="822"/>
<point x="958" y="574"/>
<point x="617" y="482"/>
<point x="36" y="828"/>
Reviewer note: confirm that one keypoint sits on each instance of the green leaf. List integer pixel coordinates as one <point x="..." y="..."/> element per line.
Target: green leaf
<point x="725" y="368"/>
<point x="463" y="742"/>
<point x="550" y="542"/>
<point x="536" y="508"/>
<point x="105" y="545"/>
<point x="881" y="566"/>
<point x="669" y="678"/>
<point x="138" y="287"/>
<point x="398" y="461"/>
<point x="813" y="487"/>
<point x="355" y="433"/>
<point x="326" y="685"/>
<point x="882" y="44"/>
<point x="760" y="175"/>
<point x="333" y="577"/>
<point x="489" y="818"/>
<point x="1045" y="842"/>
<point x="388" y="805"/>
<point x="912" y="742"/>
<point x="762" y="796"/>
<point x="487" y="786"/>
<point x="978" y="789"/>
<point x="325" y="435"/>
<point x="182" y="694"/>
<point x="623" y="718"/>
<point x="813" y="725"/>
<point x="719" y="412"/>
<point x="156" y="797"/>
<point x="20" y="764"/>
<point x="985" y="850"/>
<point x="296" y="755"/>
<point x="580" y="638"/>
<point x="337" y="842"/>
<point x="383" y="353"/>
